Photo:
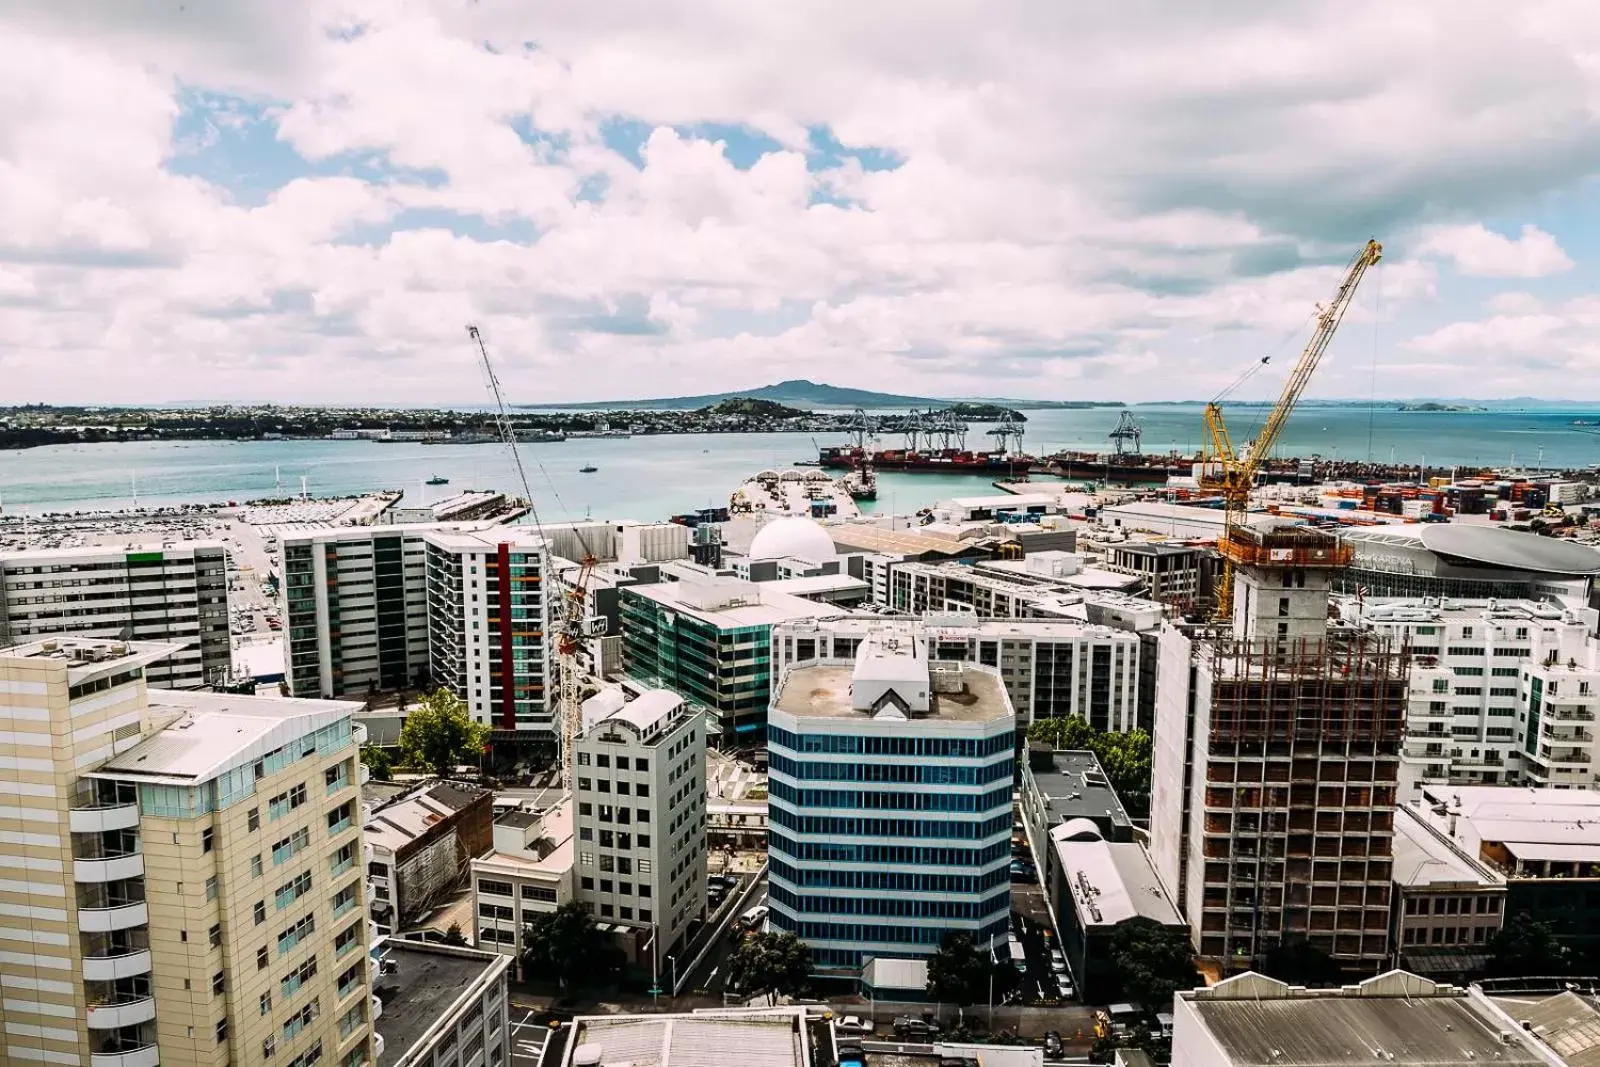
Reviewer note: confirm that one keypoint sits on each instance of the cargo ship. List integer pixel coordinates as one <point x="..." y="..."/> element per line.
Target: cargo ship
<point x="934" y="461"/>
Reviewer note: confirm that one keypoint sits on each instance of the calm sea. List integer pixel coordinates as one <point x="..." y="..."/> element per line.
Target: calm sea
<point x="652" y="477"/>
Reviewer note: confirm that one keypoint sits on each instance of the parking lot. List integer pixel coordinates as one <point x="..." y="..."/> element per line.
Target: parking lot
<point x="528" y="1038"/>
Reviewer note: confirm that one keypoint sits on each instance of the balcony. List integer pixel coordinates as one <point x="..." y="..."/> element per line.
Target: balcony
<point x="120" y="917"/>
<point x="359" y="732"/>
<point x="110" y="968"/>
<point x="100" y="819"/>
<point x="140" y="1056"/>
<point x="108" y="868"/>
<point x="129" y="1012"/>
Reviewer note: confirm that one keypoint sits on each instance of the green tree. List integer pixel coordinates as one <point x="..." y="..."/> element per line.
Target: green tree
<point x="770" y="962"/>
<point x="439" y="734"/>
<point x="1298" y="962"/>
<point x="958" y="973"/>
<point x="454" y="936"/>
<point x="1153" y="962"/>
<point x="566" y="945"/>
<point x="1527" y="947"/>
<point x="378" y="762"/>
<point x="1067" y="732"/>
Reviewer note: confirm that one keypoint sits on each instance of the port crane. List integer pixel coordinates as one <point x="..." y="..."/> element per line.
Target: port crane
<point x="1233" y="472"/>
<point x="1125" y="436"/>
<point x="574" y="623"/>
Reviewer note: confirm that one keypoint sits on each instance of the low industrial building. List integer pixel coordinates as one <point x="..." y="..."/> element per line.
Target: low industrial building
<point x="1064" y="786"/>
<point x="1448" y="906"/>
<point x="753" y="1037"/>
<point x="1544" y="842"/>
<point x="1397" y="1018"/>
<point x="1095" y="888"/>
<point x="1168" y="574"/>
<point x="419" y="845"/>
<point x="1181" y="521"/>
<point x="440" y="1006"/>
<point x="529" y="873"/>
<point x="1465" y="560"/>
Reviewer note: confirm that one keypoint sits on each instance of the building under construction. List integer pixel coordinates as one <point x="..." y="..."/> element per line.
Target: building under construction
<point x="1277" y="756"/>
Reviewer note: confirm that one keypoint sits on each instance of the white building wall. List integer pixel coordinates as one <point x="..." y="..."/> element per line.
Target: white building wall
<point x="1170" y="761"/>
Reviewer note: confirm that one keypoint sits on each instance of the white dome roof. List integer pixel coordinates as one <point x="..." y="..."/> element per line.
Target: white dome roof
<point x="793" y="537"/>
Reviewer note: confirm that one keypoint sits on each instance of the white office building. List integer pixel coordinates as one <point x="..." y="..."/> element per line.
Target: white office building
<point x="890" y="788"/>
<point x="1485" y="678"/>
<point x="174" y="592"/>
<point x="1050" y="668"/>
<point x="640" y="789"/>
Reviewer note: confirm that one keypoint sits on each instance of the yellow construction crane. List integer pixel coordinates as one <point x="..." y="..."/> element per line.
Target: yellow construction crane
<point x="1234" y="472"/>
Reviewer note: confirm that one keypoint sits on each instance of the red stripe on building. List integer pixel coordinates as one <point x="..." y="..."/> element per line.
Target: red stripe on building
<point x="508" y="702"/>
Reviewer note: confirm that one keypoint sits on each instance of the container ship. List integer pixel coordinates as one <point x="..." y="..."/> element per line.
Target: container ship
<point x="935" y="461"/>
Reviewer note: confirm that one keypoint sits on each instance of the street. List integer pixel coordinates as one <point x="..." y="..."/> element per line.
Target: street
<point x="528" y="1038"/>
<point x="711" y="974"/>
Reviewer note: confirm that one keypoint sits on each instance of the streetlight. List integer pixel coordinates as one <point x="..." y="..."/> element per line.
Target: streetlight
<point x="655" y="966"/>
<point x="673" y="961"/>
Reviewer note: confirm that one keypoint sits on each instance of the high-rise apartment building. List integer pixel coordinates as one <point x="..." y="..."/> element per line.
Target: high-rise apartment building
<point x="183" y="883"/>
<point x="890" y="788"/>
<point x="1277" y="760"/>
<point x="392" y="607"/>
<point x="1051" y="668"/>
<point x="640" y="789"/>
<point x="175" y="592"/>
<point x="1482" y="676"/>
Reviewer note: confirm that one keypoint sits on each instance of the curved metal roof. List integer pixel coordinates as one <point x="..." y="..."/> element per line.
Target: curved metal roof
<point x="1496" y="546"/>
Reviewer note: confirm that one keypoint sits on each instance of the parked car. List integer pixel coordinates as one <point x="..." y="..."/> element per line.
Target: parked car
<point x="1052" y="1044"/>
<point x="910" y="1026"/>
<point x="1064" y="984"/>
<point x="850" y="1056"/>
<point x="1058" y="962"/>
<point x="853" y="1024"/>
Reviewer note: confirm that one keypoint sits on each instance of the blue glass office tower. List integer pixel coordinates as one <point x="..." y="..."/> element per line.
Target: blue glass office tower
<point x="890" y="803"/>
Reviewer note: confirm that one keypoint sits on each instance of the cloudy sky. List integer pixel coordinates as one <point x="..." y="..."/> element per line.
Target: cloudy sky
<point x="307" y="201"/>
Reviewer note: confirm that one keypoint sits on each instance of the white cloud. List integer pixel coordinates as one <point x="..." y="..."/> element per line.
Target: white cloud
<point x="1524" y="340"/>
<point x="1481" y="253"/>
<point x="1082" y="207"/>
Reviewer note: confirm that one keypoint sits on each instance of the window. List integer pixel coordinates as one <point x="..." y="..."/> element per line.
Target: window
<point x="643" y="814"/>
<point x="624" y="840"/>
<point x="349" y="980"/>
<point x="641" y="764"/>
<point x="645" y="915"/>
<point x="219" y="983"/>
<point x="498" y="889"/>
<point x="336" y="777"/>
<point x="347" y="938"/>
<point x="298" y="977"/>
<point x="252" y="820"/>
<point x="585" y="833"/>
<point x="214" y="936"/>
<point x="296" y="933"/>
<point x="261" y="958"/>
<point x="269" y="1045"/>
<point x="222" y="1030"/>
<point x="344" y="900"/>
<point x="207" y="840"/>
<point x="255" y="866"/>
<point x="291" y="846"/>
<point x="583" y="759"/>
<point x="260" y="912"/>
<point x="538" y="892"/>
<point x="644" y="889"/>
<point x="586" y="883"/>
<point x="608" y="863"/>
<point x="643" y="790"/>
<point x="585" y="809"/>
<point x="644" y="840"/>
<point x="293" y="889"/>
<point x="300" y="1020"/>
<point x="211" y="888"/>
<point x="266" y="1003"/>
<point x="287" y="801"/>
<point x="339" y="818"/>
<point x="622" y="763"/>
<point x="602" y="761"/>
<point x="343" y="859"/>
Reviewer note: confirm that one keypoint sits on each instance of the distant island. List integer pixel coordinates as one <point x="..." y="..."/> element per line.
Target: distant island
<point x="1434" y="405"/>
<point x="800" y="393"/>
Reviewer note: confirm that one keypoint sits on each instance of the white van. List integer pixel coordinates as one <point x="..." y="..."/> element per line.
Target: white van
<point x="752" y="918"/>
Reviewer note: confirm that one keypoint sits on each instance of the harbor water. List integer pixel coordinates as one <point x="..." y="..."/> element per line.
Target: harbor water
<point x="649" y="478"/>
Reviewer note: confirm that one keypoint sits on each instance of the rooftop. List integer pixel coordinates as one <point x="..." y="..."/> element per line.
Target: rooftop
<point x="428" y="981"/>
<point x="1567" y="1023"/>
<point x="100" y="551"/>
<point x="649" y="713"/>
<point x="773" y="1038"/>
<point x="1397" y="1017"/>
<point x="1111" y="881"/>
<point x="823" y="689"/>
<point x="869" y="537"/>
<point x="213" y="732"/>
<point x="1425" y="858"/>
<point x="1529" y="824"/>
<point x="729" y="603"/>
<point x="88" y="657"/>
<point x="407" y="818"/>
<point x="1072" y="785"/>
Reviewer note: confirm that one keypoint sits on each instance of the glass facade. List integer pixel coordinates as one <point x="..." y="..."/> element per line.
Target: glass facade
<point x="727" y="671"/>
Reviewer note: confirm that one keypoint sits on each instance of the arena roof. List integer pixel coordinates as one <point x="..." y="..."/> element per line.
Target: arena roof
<point x="1498" y="547"/>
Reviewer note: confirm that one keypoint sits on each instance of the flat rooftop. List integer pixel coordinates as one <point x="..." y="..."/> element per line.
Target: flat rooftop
<point x="753" y="607"/>
<point x="1112" y="882"/>
<point x="1424" y="858"/>
<point x="866" y="537"/>
<point x="86" y="656"/>
<point x="1565" y="1022"/>
<point x="1432" y="1026"/>
<point x="428" y="981"/>
<point x="212" y="732"/>
<point x="1074" y="786"/>
<point x="753" y="1039"/>
<point x="823" y="690"/>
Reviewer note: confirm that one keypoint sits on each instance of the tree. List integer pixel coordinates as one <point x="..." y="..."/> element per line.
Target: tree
<point x="565" y="945"/>
<point x="770" y="962"/>
<point x="378" y="762"/>
<point x="1153" y="962"/>
<point x="958" y="973"/>
<point x="454" y="936"/>
<point x="439" y="734"/>
<point x="1527" y="947"/>
<point x="1298" y="962"/>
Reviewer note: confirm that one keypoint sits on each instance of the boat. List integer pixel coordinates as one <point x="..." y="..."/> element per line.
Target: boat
<point x="437" y="480"/>
<point x="587" y="468"/>
<point x="861" y="483"/>
<point x="934" y="461"/>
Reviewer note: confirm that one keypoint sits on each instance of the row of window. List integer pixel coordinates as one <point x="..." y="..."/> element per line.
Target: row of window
<point x="614" y="839"/>
<point x="863" y="826"/>
<point x="857" y="745"/>
<point x="892" y="907"/>
<point x="896" y="881"/>
<point x="878" y="933"/>
<point x="895" y="773"/>
<point x="639" y="763"/>
<point x="608" y="813"/>
<point x="890" y="800"/>
<point x="603" y="785"/>
<point x="897" y="855"/>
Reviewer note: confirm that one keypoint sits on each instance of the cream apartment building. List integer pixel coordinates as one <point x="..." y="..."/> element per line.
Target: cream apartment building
<point x="179" y="872"/>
